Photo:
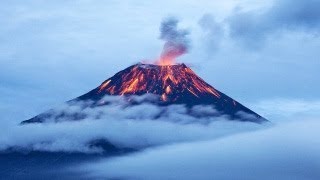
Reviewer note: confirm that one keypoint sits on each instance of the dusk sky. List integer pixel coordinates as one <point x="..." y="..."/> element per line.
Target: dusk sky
<point x="265" y="54"/>
<point x="51" y="52"/>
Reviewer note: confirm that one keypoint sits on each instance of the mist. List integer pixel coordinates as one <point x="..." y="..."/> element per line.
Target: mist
<point x="286" y="151"/>
<point x="123" y="126"/>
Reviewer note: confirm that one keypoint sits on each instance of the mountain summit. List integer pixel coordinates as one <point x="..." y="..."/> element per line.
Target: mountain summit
<point x="171" y="84"/>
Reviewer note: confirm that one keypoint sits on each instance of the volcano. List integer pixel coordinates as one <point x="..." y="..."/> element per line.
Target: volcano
<point x="170" y="84"/>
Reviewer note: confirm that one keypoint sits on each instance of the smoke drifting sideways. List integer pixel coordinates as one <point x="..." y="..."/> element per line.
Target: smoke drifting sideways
<point x="176" y="40"/>
<point x="123" y="126"/>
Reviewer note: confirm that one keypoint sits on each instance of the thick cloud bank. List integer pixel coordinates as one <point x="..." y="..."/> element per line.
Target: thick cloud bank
<point x="122" y="125"/>
<point x="254" y="27"/>
<point x="287" y="151"/>
<point x="285" y="15"/>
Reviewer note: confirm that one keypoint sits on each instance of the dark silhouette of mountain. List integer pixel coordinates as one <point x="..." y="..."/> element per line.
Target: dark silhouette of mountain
<point x="172" y="84"/>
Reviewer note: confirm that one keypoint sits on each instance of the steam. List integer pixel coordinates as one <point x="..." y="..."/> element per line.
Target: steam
<point x="176" y="40"/>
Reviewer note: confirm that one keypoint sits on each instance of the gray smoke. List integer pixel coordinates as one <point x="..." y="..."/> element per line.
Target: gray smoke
<point x="176" y="40"/>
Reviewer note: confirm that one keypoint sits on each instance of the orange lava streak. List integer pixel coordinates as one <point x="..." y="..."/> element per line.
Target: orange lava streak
<point x="192" y="92"/>
<point x="164" y="97"/>
<point x="111" y="89"/>
<point x="131" y="87"/>
<point x="204" y="88"/>
<point x="168" y="90"/>
<point x="165" y="62"/>
<point x="214" y="92"/>
<point x="167" y="81"/>
<point x="104" y="85"/>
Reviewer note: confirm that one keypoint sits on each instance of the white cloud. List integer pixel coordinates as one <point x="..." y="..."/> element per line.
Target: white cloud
<point x="288" y="151"/>
<point x="123" y="126"/>
<point x="287" y="109"/>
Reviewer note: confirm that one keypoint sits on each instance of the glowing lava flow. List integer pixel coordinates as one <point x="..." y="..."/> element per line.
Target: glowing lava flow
<point x="170" y="82"/>
<point x="170" y="52"/>
<point x="165" y="62"/>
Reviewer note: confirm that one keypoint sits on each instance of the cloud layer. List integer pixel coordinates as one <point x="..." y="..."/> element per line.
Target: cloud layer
<point x="253" y="27"/>
<point x="124" y="126"/>
<point x="288" y="151"/>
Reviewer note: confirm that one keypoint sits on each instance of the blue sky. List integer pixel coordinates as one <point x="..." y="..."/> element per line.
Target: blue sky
<point x="253" y="51"/>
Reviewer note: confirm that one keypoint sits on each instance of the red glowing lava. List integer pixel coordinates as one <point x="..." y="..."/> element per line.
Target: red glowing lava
<point x="170" y="52"/>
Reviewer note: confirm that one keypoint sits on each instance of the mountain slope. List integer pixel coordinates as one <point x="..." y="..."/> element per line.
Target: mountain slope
<point x="172" y="84"/>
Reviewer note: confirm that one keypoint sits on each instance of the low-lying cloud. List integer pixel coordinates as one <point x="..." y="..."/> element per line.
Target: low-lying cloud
<point x="282" y="109"/>
<point x="180" y="146"/>
<point x="123" y="126"/>
<point x="287" y="151"/>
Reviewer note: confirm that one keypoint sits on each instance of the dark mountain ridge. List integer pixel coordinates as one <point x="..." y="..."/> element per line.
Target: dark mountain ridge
<point x="170" y="84"/>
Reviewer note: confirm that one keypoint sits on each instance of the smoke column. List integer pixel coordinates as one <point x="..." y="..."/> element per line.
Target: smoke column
<point x="176" y="41"/>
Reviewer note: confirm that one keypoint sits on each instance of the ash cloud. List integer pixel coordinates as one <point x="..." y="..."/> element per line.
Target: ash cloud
<point x="176" y="40"/>
<point x="123" y="126"/>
